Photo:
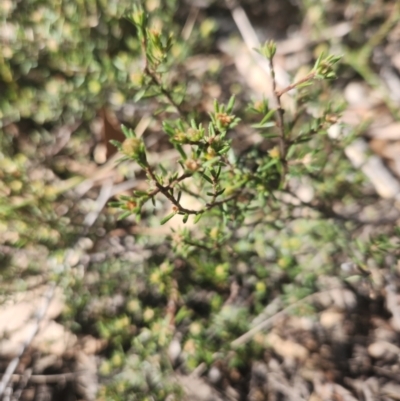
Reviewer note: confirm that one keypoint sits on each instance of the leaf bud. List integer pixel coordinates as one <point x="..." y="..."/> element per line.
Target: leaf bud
<point x="194" y="134"/>
<point x="211" y="151"/>
<point x="131" y="147"/>
<point x="192" y="165"/>
<point x="180" y="137"/>
<point x="224" y="119"/>
<point x="274" y="152"/>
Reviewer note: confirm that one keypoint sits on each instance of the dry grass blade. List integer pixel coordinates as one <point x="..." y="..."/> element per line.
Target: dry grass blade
<point x="39" y="316"/>
<point x="251" y="40"/>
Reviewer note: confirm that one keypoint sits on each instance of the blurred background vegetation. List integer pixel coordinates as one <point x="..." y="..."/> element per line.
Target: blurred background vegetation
<point x="165" y="304"/>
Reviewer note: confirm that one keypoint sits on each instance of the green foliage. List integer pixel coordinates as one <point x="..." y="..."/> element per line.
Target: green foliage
<point x="225" y="186"/>
<point x="249" y="234"/>
<point x="249" y="228"/>
<point x="62" y="61"/>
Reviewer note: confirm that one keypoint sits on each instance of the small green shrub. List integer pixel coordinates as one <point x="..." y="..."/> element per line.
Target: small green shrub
<point x="248" y="226"/>
<point x="251" y="234"/>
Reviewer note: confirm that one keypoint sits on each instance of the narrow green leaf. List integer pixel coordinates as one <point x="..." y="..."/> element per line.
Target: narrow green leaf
<point x="224" y="150"/>
<point x="224" y="217"/>
<point x="267" y="166"/>
<point x="318" y="62"/>
<point x="216" y="106"/>
<point x="268" y="124"/>
<point x="180" y="125"/>
<point x="206" y="177"/>
<point x="116" y="144"/>
<point x="230" y="105"/>
<point x="142" y="164"/>
<point x="174" y="176"/>
<point x="168" y="128"/>
<point x="185" y="218"/>
<point x="290" y="152"/>
<point x="164" y="171"/>
<point x="268" y="116"/>
<point x="183" y="313"/>
<point x="167" y="218"/>
<point x="129" y="133"/>
<point x="198" y="217"/>
<point x="211" y="130"/>
<point x="303" y="138"/>
<point x="269" y="135"/>
<point x="139" y="94"/>
<point x="160" y="110"/>
<point x="124" y="215"/>
<point x="181" y="151"/>
<point x="304" y="84"/>
<point x="140" y="193"/>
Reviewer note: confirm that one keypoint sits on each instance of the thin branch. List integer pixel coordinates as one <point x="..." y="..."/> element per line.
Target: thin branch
<point x="190" y="22"/>
<point x="294" y="85"/>
<point x="284" y="388"/>
<point x="102" y="199"/>
<point x="155" y="80"/>
<point x="46" y="379"/>
<point x="192" y="193"/>
<point x="24" y="379"/>
<point x="222" y="201"/>
<point x="280" y="122"/>
<point x="198" y="245"/>
<point x="166" y="191"/>
<point x="327" y="212"/>
<point x="267" y="323"/>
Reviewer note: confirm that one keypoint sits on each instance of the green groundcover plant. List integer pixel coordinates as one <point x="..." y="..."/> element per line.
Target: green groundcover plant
<point x="250" y="234"/>
<point x="60" y="63"/>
